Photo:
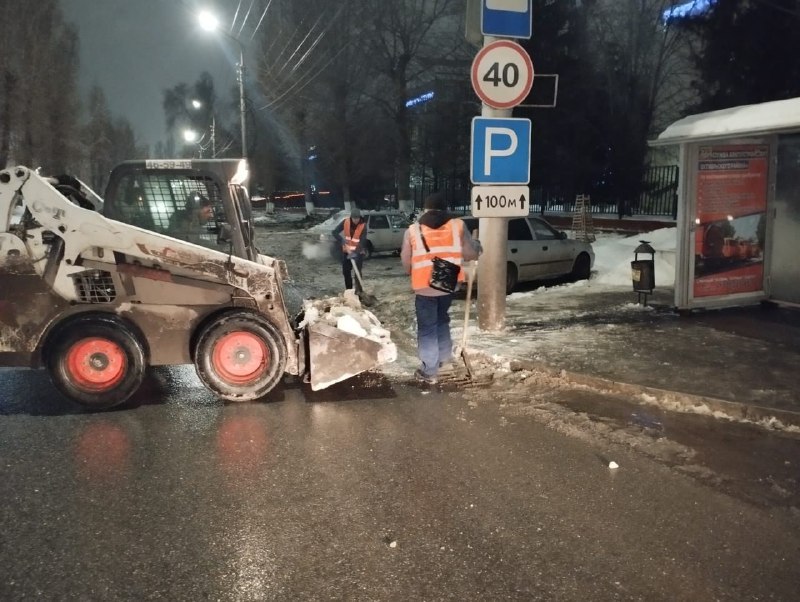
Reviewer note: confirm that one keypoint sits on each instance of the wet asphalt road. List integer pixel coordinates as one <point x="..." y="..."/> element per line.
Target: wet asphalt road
<point x="396" y="494"/>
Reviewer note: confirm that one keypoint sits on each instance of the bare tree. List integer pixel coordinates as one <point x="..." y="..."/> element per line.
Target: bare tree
<point x="340" y="76"/>
<point x="38" y="86"/>
<point x="404" y="41"/>
<point x="746" y="52"/>
<point x="106" y="141"/>
<point x="194" y="107"/>
<point x="313" y="77"/>
<point x="641" y="62"/>
<point x="98" y="139"/>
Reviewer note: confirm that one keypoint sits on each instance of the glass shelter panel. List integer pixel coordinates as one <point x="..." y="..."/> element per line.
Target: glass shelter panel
<point x="730" y="218"/>
<point x="785" y="267"/>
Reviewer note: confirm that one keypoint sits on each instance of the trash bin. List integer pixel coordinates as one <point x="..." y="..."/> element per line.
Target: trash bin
<point x="643" y="271"/>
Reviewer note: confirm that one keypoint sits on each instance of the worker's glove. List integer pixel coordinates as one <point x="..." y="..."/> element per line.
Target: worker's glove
<point x="478" y="246"/>
<point x="352" y="255"/>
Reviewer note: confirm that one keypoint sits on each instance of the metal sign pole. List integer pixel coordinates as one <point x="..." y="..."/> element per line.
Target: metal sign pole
<point x="493" y="233"/>
<point x="502" y="75"/>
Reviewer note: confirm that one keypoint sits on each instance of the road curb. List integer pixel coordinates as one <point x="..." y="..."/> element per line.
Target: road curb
<point x="732" y="409"/>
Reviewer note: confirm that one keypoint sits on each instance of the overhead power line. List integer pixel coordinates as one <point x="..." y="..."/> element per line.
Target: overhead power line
<point x="304" y="83"/>
<point x="247" y="16"/>
<point x="258" y="25"/>
<point x="783" y="9"/>
<point x="236" y="15"/>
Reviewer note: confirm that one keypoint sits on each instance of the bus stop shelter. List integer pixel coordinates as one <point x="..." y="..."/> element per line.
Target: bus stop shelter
<point x="738" y="205"/>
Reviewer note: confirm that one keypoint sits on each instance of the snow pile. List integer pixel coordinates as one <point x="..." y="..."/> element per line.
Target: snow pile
<point x="614" y="253"/>
<point x="274" y="219"/>
<point x="345" y="313"/>
<point x="349" y="324"/>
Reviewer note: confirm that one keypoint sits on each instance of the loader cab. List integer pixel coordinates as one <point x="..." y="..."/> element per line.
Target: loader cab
<point x="201" y="201"/>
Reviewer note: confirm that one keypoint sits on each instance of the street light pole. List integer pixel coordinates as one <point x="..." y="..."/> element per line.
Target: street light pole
<point x="242" y="111"/>
<point x="213" y="136"/>
<point x="210" y="23"/>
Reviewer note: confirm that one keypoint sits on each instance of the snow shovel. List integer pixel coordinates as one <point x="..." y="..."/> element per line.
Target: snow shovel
<point x="365" y="297"/>
<point x="470" y="278"/>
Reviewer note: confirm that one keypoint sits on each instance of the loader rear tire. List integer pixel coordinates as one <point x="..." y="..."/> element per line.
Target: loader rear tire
<point x="96" y="361"/>
<point x="240" y="356"/>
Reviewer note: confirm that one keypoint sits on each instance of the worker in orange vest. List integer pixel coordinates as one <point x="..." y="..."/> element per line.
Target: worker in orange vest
<point x="352" y="234"/>
<point x="435" y="234"/>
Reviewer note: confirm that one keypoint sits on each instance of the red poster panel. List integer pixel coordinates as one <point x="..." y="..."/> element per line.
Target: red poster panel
<point x="731" y="219"/>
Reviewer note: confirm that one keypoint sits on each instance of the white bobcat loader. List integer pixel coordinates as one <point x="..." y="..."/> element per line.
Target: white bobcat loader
<point x="167" y="274"/>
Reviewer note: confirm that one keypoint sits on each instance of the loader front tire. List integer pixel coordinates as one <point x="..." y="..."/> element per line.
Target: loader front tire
<point x="240" y="356"/>
<point x="96" y="361"/>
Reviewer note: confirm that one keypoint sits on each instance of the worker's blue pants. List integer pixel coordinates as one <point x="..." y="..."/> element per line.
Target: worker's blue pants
<point x="434" y="345"/>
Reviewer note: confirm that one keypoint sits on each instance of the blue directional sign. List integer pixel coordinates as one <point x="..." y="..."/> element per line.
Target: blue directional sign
<point x="501" y="151"/>
<point x="507" y="18"/>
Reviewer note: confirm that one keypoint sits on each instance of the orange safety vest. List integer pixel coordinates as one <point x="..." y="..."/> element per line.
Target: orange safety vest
<point x="351" y="240"/>
<point x="444" y="242"/>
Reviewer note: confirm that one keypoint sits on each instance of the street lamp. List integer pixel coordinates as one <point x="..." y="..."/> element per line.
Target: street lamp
<point x="210" y="23"/>
<point x="191" y="137"/>
<point x="197" y="105"/>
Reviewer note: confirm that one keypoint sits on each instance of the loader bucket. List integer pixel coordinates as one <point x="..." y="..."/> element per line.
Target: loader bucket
<point x="335" y="355"/>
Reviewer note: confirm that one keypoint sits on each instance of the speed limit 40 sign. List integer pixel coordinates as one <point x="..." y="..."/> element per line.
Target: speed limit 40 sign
<point x="502" y="74"/>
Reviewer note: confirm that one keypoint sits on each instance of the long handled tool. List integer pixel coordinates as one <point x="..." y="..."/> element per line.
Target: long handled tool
<point x="365" y="297"/>
<point x="470" y="278"/>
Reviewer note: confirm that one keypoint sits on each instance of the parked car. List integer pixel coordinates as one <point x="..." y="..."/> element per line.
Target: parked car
<point x="537" y="251"/>
<point x="385" y="231"/>
<point x="258" y="201"/>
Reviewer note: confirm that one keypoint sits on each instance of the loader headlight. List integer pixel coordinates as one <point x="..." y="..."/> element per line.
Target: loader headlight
<point x="242" y="174"/>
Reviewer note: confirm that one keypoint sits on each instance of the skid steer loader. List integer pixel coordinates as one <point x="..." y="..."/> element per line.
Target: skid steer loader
<point x="167" y="274"/>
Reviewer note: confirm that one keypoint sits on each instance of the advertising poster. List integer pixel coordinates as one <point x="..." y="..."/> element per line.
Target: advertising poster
<point x="731" y="219"/>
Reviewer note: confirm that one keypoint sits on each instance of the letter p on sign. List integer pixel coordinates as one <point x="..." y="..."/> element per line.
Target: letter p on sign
<point x="501" y="149"/>
<point x="496" y="151"/>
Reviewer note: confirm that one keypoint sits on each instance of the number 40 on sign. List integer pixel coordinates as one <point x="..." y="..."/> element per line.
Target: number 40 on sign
<point x="502" y="74"/>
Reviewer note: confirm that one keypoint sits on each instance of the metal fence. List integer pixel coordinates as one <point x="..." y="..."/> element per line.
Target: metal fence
<point x="658" y="197"/>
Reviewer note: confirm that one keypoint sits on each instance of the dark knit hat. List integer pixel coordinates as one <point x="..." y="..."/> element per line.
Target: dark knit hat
<point x="436" y="201"/>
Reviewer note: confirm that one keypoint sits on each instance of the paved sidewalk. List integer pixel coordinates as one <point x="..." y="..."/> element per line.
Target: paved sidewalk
<point x="743" y="362"/>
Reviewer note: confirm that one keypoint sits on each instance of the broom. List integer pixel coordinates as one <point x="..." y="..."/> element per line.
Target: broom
<point x="470" y="277"/>
<point x="365" y="297"/>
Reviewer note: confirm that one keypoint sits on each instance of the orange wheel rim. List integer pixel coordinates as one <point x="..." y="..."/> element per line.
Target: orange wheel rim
<point x="240" y="357"/>
<point x="96" y="363"/>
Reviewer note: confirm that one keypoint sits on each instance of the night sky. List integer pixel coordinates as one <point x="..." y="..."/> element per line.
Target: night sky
<point x="134" y="49"/>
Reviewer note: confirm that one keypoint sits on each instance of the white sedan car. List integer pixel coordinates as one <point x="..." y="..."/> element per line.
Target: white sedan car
<point x="537" y="251"/>
<point x="385" y="230"/>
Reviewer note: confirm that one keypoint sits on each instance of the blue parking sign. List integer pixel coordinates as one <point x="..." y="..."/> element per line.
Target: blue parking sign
<point x="501" y="149"/>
